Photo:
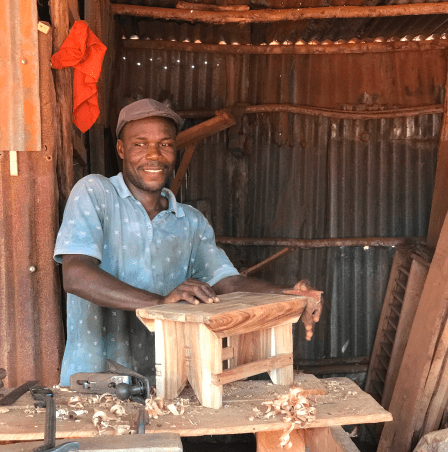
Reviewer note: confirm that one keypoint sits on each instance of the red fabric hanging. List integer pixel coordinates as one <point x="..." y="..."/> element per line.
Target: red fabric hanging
<point x="85" y="52"/>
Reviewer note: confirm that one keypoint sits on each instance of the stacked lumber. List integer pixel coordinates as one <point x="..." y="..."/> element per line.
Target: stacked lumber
<point x="419" y="398"/>
<point x="407" y="278"/>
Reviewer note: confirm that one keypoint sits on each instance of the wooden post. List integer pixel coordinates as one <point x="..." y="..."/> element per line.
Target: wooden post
<point x="188" y="154"/>
<point x="64" y="99"/>
<point x="439" y="206"/>
<point x="270" y="441"/>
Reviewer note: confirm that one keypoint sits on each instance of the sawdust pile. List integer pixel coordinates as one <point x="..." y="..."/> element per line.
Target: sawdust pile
<point x="295" y="409"/>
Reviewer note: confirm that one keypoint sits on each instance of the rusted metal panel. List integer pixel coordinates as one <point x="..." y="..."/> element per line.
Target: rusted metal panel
<point x="30" y="315"/>
<point x="309" y="177"/>
<point x="19" y="77"/>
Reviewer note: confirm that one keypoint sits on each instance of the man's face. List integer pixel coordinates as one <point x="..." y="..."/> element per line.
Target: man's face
<point x="147" y="147"/>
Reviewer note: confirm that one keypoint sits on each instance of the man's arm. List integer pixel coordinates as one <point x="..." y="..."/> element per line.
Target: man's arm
<point x="310" y="316"/>
<point x="83" y="277"/>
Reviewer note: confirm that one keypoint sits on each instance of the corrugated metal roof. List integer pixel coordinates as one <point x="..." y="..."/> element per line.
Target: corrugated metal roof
<point x="309" y="177"/>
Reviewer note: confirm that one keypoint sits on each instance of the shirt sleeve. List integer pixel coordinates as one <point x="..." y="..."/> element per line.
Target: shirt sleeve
<point x="211" y="263"/>
<point x="81" y="231"/>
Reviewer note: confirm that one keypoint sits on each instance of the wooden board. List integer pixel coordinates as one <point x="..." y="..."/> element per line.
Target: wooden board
<point x="236" y="313"/>
<point x="415" y="367"/>
<point x="344" y="404"/>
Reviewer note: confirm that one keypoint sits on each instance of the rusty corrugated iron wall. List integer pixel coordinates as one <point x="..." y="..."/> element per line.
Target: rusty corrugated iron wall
<point x="309" y="177"/>
<point x="30" y="317"/>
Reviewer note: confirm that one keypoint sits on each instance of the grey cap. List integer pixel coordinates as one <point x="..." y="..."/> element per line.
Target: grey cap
<point x="146" y="108"/>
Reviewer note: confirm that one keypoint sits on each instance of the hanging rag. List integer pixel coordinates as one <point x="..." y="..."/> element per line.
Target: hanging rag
<point x="85" y="52"/>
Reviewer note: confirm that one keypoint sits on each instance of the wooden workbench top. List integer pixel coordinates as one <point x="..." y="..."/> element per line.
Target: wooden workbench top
<point x="344" y="404"/>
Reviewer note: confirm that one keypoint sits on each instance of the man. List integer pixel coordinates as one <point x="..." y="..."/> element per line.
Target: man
<point x="125" y="243"/>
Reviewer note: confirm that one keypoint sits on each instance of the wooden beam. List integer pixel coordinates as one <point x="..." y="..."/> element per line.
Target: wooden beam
<point x="439" y="206"/>
<point x="223" y="120"/>
<point x="297" y="49"/>
<point x="329" y="439"/>
<point x="319" y="243"/>
<point x="420" y="356"/>
<point x="270" y="441"/>
<point x="250" y="369"/>
<point x="275" y="15"/>
<point x="267" y="261"/>
<point x="188" y="154"/>
<point x="209" y="7"/>
<point x="326" y="112"/>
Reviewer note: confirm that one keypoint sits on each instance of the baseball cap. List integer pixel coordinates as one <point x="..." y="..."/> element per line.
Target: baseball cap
<point x="146" y="108"/>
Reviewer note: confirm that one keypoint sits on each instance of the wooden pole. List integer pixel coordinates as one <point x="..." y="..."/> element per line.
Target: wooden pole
<point x="439" y="206"/>
<point x="320" y="243"/>
<point x="188" y="154"/>
<point x="267" y="261"/>
<point x="291" y="49"/>
<point x="324" y="112"/>
<point x="276" y="15"/>
<point x="64" y="104"/>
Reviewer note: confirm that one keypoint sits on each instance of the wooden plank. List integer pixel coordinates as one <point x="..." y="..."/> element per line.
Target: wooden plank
<point x="171" y="372"/>
<point x="275" y="15"/>
<point x="188" y="154"/>
<point x="269" y="260"/>
<point x="345" y="406"/>
<point x="439" y="206"/>
<point x="270" y="441"/>
<point x="438" y="361"/>
<point x="329" y="439"/>
<point x="253" y="368"/>
<point x="203" y="360"/>
<point x="414" y="288"/>
<point x="210" y="7"/>
<point x="223" y="120"/>
<point x="414" y="370"/>
<point x="439" y="402"/>
<point x="281" y="343"/>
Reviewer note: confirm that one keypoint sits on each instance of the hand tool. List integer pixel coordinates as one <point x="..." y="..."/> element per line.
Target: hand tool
<point x="10" y="398"/>
<point x="117" y="380"/>
<point x="43" y="397"/>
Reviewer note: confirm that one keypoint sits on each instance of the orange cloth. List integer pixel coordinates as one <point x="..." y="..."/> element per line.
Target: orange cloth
<point x="85" y="52"/>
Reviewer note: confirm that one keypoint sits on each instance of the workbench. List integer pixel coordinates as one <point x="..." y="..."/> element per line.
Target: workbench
<point x="344" y="404"/>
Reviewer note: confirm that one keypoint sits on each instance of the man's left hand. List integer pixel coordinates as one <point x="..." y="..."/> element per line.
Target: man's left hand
<point x="311" y="314"/>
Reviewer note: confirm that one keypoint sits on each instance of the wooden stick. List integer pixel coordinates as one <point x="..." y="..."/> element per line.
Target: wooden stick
<point x="250" y="369"/>
<point x="208" y="7"/>
<point x="319" y="243"/>
<point x="359" y="47"/>
<point x="223" y="120"/>
<point x="267" y="261"/>
<point x="188" y="154"/>
<point x="439" y="206"/>
<point x="276" y="15"/>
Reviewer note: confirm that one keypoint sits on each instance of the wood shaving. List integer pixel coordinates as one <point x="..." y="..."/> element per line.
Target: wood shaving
<point x="173" y="409"/>
<point x="295" y="409"/>
<point x="3" y="410"/>
<point x="118" y="410"/>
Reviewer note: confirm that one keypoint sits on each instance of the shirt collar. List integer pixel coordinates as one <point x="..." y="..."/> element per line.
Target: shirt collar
<point x="123" y="191"/>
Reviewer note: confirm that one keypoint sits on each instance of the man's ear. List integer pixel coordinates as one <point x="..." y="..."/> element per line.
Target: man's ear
<point x="120" y="149"/>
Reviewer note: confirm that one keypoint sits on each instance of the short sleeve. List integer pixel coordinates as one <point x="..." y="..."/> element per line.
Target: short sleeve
<point x="81" y="231"/>
<point x="211" y="263"/>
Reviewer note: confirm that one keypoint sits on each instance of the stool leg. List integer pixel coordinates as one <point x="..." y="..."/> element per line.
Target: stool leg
<point x="281" y="342"/>
<point x="171" y="374"/>
<point x="203" y="358"/>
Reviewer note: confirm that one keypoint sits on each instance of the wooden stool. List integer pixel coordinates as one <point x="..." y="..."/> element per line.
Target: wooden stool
<point x="189" y="342"/>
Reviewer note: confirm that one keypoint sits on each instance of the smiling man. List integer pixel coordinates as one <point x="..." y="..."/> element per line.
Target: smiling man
<point x="125" y="243"/>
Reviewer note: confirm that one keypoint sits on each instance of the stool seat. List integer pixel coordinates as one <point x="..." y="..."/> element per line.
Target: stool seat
<point x="256" y="330"/>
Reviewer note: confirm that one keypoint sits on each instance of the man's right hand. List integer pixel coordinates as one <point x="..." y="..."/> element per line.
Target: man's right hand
<point x="193" y="291"/>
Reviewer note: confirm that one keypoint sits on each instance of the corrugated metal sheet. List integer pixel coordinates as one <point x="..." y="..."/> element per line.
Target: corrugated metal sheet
<point x="30" y="316"/>
<point x="309" y="177"/>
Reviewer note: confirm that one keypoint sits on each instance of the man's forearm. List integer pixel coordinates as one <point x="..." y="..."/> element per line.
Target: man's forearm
<point x="82" y="277"/>
<point x="247" y="284"/>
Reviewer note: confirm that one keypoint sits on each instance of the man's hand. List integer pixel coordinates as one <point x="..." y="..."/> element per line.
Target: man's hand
<point x="193" y="291"/>
<point x="311" y="315"/>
